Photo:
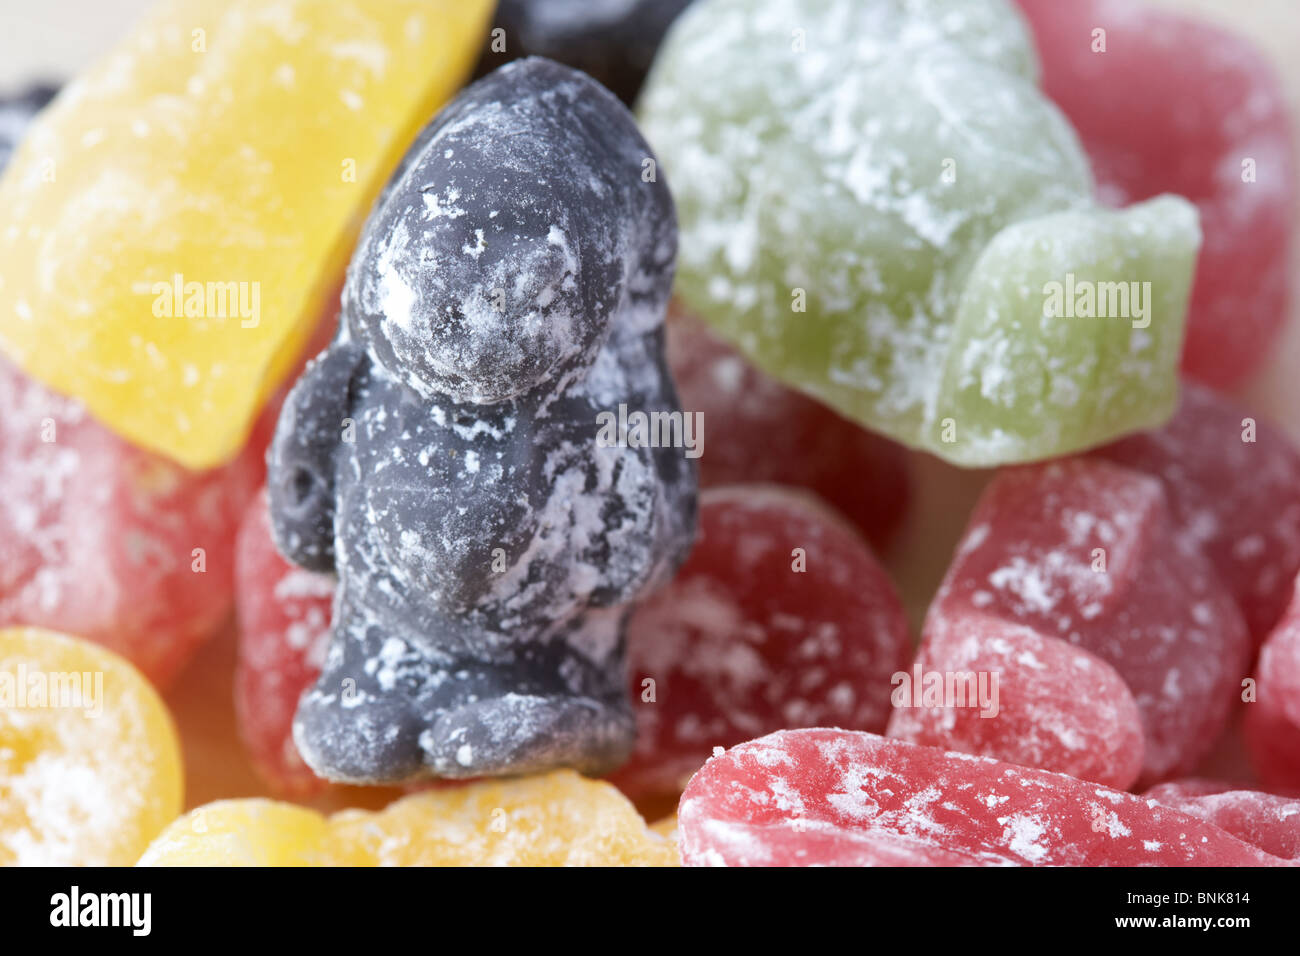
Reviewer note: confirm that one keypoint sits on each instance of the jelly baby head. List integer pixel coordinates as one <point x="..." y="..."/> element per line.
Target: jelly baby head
<point x="500" y="254"/>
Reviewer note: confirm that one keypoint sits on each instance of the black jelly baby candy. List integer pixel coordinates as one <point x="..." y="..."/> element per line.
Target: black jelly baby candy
<point x="16" y="112"/>
<point x="442" y="455"/>
<point x="612" y="40"/>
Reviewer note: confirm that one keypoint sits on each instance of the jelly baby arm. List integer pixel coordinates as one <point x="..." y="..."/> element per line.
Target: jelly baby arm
<point x="314" y="423"/>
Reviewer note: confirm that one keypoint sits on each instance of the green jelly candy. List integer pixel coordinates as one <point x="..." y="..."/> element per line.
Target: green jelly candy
<point x="880" y="207"/>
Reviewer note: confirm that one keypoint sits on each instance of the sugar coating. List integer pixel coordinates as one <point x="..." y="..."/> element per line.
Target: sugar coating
<point x="558" y="819"/>
<point x="1228" y="147"/>
<point x="1266" y="820"/>
<point x="781" y="617"/>
<point x="1059" y="707"/>
<point x="108" y="541"/>
<point x="1085" y="552"/>
<point x="97" y="537"/>
<point x="442" y="457"/>
<point x="759" y="430"/>
<point x="284" y="633"/>
<point x="895" y="165"/>
<point x="92" y="770"/>
<point x="835" y="797"/>
<point x="1233" y="483"/>
<point x="181" y="157"/>
<point x="1271" y="26"/>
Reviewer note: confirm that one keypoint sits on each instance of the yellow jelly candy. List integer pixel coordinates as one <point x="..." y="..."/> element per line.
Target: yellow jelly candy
<point x="174" y="221"/>
<point x="90" y="768"/>
<point x="254" y="832"/>
<point x="560" y="819"/>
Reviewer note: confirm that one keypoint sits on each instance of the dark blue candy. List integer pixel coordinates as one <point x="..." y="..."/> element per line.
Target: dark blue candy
<point x="442" y="457"/>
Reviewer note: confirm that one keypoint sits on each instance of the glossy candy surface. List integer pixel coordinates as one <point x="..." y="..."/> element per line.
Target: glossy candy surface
<point x="880" y="208"/>
<point x="108" y="211"/>
<point x="90" y="768"/>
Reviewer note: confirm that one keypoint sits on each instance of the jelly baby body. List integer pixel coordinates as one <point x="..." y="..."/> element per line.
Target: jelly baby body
<point x="441" y="455"/>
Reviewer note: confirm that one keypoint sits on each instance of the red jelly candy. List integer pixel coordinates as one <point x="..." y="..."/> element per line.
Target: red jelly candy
<point x="1272" y="723"/>
<point x="104" y="540"/>
<point x="781" y="617"/>
<point x="284" y="629"/>
<point x="1083" y="551"/>
<point x="1030" y="699"/>
<point x="759" y="430"/>
<point x="1266" y="820"/>
<point x="838" y="798"/>
<point x="1176" y="105"/>
<point x="1234" y="488"/>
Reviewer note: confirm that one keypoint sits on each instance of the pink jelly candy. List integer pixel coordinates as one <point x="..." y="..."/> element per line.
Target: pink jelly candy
<point x="840" y="798"/>
<point x="1272" y="722"/>
<point x="781" y="617"/>
<point x="1176" y="105"/>
<point x="1266" y="820"/>
<point x="1046" y="703"/>
<point x="284" y="629"/>
<point x="104" y="540"/>
<point x="1233" y="484"/>
<point x="1083" y="551"/>
<point x="760" y="431"/>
